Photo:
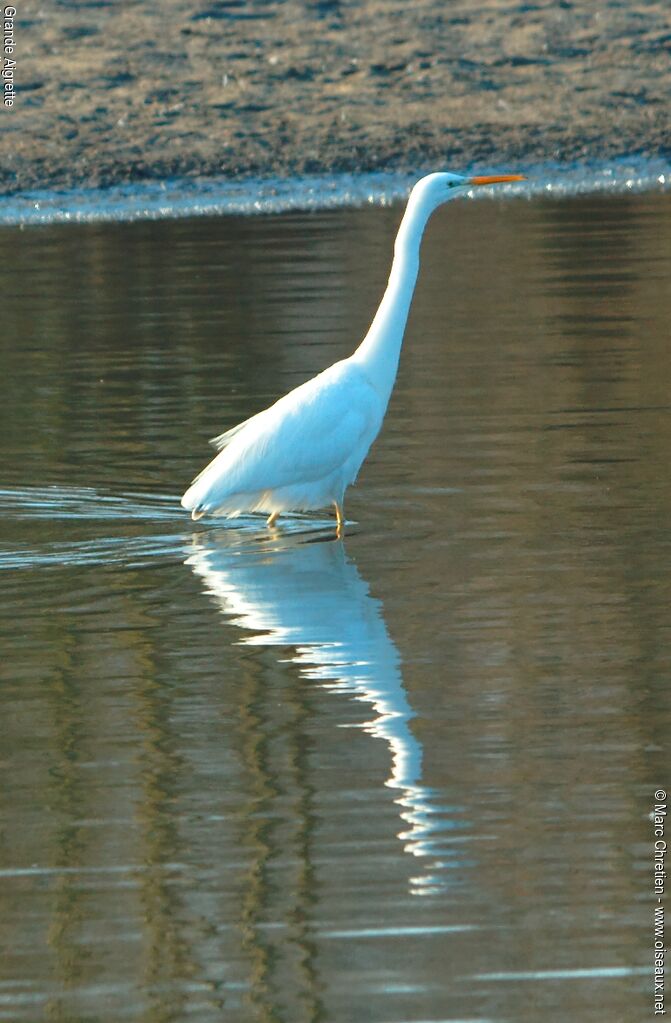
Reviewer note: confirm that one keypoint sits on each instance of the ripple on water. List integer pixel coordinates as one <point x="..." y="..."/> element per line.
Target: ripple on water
<point x="72" y="506"/>
<point x="58" y="502"/>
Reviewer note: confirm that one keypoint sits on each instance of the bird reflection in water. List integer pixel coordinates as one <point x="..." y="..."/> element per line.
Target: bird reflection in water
<point x="310" y="596"/>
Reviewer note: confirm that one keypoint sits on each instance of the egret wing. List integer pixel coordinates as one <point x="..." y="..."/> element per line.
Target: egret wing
<point x="306" y="435"/>
<point x="224" y="439"/>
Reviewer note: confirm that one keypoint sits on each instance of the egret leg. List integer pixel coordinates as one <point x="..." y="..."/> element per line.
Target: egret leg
<point x="197" y="513"/>
<point x="340" y="520"/>
<point x="272" y="519"/>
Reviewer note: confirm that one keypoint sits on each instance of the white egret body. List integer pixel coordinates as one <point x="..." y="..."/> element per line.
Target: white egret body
<point x="304" y="451"/>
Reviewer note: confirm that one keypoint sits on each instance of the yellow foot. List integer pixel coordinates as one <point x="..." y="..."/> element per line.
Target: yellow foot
<point x="340" y="521"/>
<point x="197" y="513"/>
<point x="272" y="519"/>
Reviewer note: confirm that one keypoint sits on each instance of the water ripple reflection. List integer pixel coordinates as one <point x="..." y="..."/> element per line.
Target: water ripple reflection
<point x="227" y="806"/>
<point x="311" y="597"/>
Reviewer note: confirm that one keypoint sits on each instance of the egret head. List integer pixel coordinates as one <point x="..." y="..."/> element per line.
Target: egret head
<point x="435" y="189"/>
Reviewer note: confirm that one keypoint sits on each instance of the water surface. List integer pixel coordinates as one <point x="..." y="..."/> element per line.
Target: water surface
<point x="403" y="778"/>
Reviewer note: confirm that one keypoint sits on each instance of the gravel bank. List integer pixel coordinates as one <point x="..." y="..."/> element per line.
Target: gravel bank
<point x="112" y="92"/>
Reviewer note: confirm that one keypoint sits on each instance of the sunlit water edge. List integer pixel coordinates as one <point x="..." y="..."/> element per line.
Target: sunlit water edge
<point x="175" y="198"/>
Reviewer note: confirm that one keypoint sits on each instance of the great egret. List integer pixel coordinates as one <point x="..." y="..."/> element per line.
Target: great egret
<point x="304" y="451"/>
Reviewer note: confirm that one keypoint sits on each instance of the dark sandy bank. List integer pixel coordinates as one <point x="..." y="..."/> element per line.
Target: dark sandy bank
<point x="111" y="92"/>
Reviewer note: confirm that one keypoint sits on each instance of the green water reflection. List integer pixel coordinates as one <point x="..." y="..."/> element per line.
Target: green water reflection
<point x="406" y="779"/>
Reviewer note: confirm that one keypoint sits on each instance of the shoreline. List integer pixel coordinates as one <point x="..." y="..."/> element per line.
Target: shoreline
<point x="234" y="89"/>
<point x="476" y="148"/>
<point x="188" y="197"/>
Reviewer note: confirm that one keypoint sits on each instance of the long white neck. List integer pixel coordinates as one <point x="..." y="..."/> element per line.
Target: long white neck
<point x="379" y="351"/>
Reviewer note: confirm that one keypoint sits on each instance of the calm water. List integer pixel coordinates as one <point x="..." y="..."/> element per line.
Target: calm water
<point x="399" y="779"/>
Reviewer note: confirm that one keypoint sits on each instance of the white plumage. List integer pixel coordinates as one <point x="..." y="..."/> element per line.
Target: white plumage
<point x="300" y="453"/>
<point x="305" y="450"/>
